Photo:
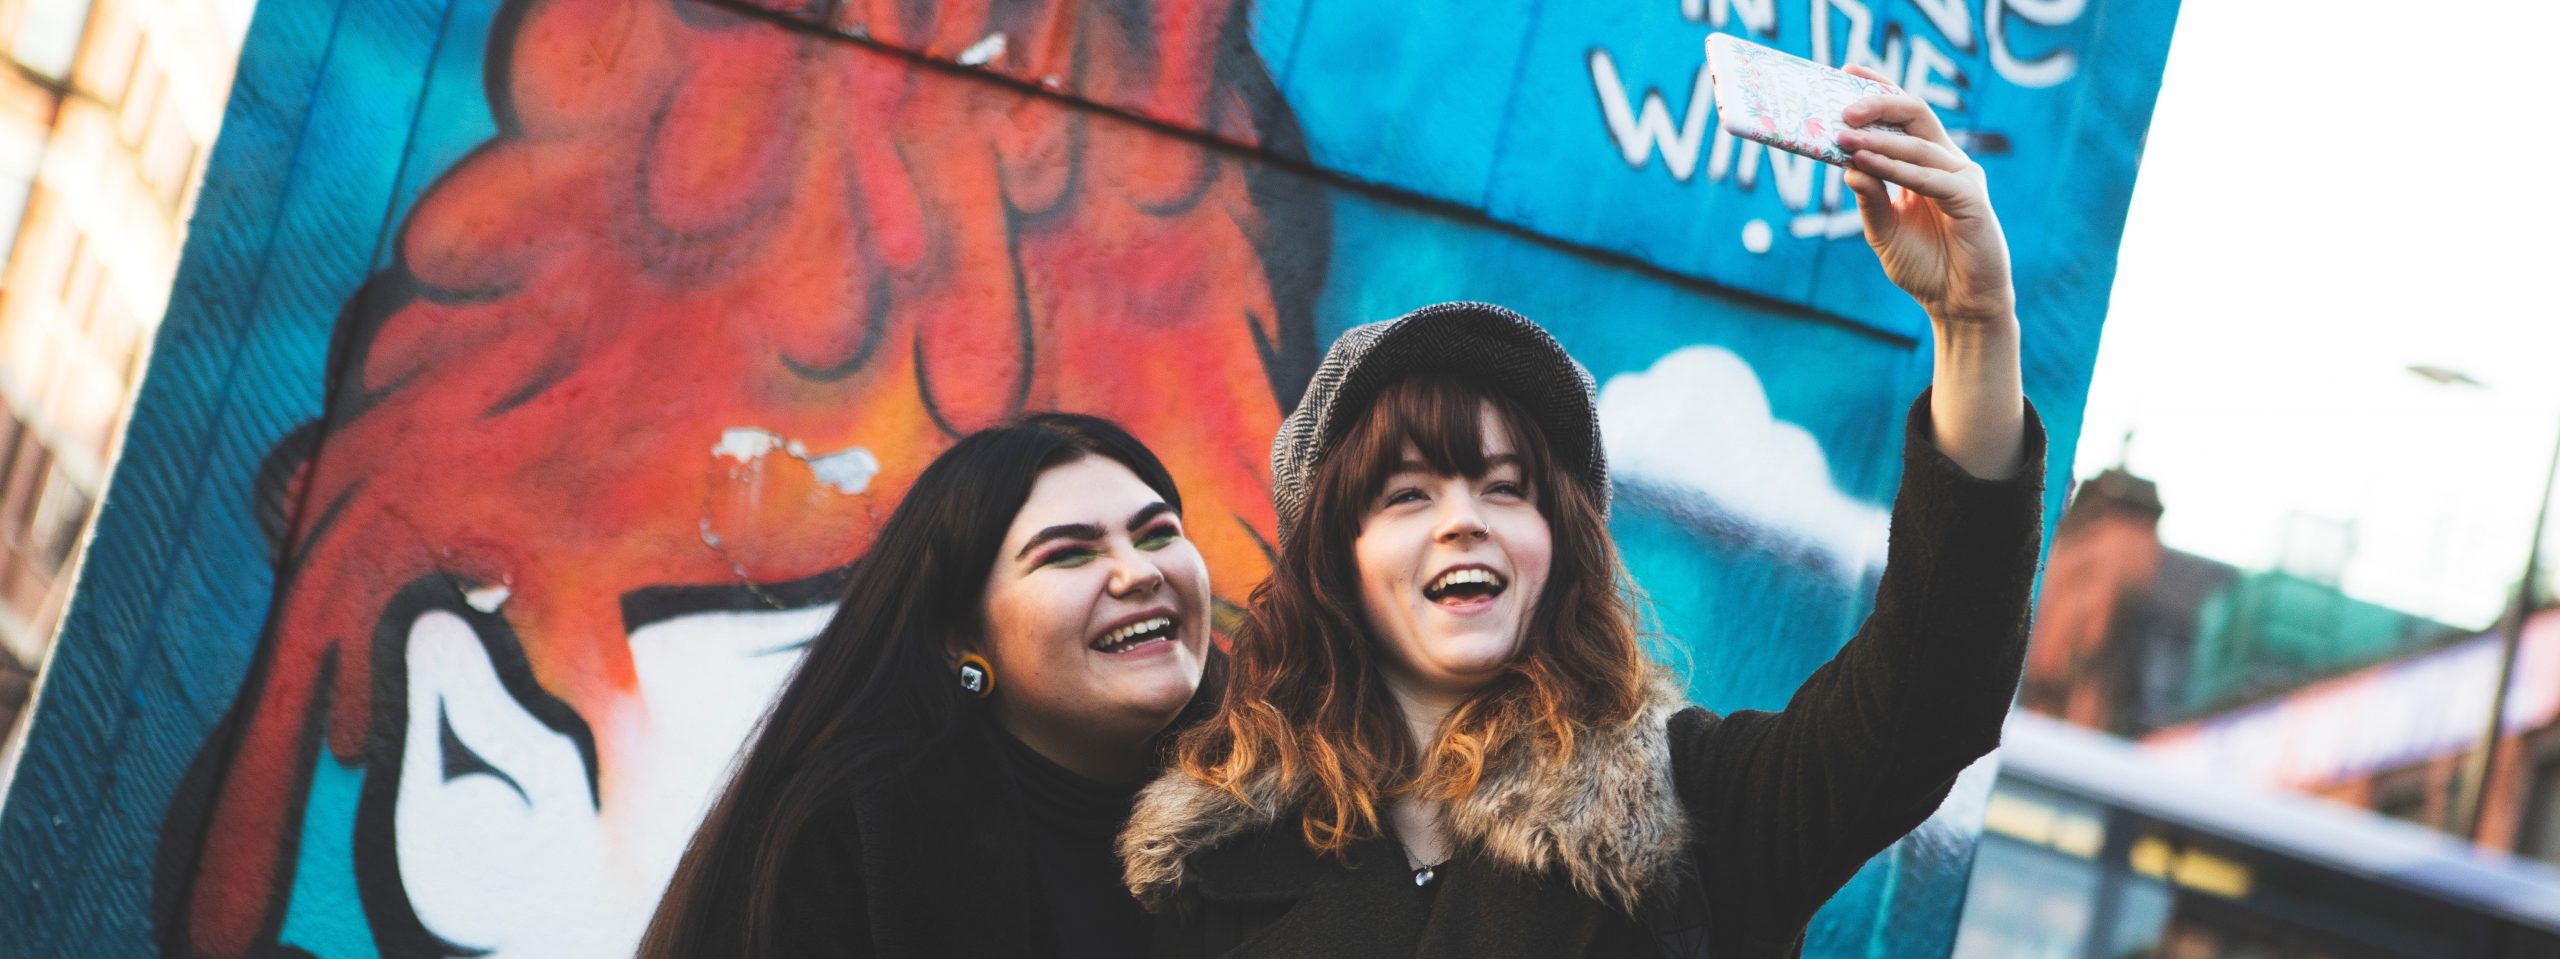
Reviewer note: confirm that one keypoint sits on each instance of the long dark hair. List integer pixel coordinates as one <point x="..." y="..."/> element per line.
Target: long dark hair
<point x="1305" y="702"/>
<point x="875" y="683"/>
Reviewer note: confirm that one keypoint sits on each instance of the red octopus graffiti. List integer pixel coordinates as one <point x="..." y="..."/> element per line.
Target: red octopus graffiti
<point x="693" y="321"/>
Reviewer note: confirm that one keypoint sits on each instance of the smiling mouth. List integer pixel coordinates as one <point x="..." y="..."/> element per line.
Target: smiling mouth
<point x="1460" y="587"/>
<point x="1135" y="636"/>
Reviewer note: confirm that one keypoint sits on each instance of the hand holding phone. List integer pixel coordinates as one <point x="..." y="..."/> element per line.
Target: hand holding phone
<point x="1784" y="100"/>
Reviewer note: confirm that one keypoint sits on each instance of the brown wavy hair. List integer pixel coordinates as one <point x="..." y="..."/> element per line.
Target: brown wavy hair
<point x="1306" y="701"/>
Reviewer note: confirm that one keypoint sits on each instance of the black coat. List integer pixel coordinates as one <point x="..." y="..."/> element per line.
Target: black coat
<point x="933" y="858"/>
<point x="1781" y="808"/>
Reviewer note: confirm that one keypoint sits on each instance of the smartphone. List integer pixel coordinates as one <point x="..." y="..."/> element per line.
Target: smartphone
<point x="1784" y="100"/>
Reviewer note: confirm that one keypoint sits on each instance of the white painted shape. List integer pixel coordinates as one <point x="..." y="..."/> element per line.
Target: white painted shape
<point x="746" y="443"/>
<point x="2055" y="67"/>
<point x="1698" y="422"/>
<point x="706" y="680"/>
<point x="1860" y="48"/>
<point x="849" y="471"/>
<point x="1755" y="236"/>
<point x="1758" y="16"/>
<point x="487" y="599"/>
<point x="1640" y="131"/>
<point x="1921" y="76"/>
<point x="563" y="877"/>
<point x="1953" y="18"/>
<point x="983" y="51"/>
<point x="485" y="868"/>
<point x="1792" y="174"/>
<point x="2046" y="13"/>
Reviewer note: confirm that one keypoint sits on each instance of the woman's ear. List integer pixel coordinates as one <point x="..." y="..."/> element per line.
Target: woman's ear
<point x="969" y="665"/>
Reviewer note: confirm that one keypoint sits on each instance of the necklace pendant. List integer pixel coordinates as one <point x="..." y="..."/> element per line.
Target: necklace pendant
<point x="1423" y="876"/>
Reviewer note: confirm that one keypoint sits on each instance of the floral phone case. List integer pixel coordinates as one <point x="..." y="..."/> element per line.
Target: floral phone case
<point x="1784" y="100"/>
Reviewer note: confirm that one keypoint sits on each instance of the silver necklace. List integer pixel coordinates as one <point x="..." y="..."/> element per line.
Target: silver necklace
<point x="1423" y="872"/>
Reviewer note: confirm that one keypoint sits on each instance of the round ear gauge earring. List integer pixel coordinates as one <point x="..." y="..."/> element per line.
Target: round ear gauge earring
<point x="976" y="677"/>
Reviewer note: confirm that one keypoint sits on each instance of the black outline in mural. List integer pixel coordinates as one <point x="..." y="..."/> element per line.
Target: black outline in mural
<point x="876" y="320"/>
<point x="397" y="931"/>
<point x="1283" y="186"/>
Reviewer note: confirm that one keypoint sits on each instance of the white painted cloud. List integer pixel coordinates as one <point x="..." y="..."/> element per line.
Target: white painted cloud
<point x="1696" y="428"/>
<point x="849" y="470"/>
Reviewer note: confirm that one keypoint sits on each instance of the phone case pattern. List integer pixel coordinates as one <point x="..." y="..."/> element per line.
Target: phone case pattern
<point x="1784" y="100"/>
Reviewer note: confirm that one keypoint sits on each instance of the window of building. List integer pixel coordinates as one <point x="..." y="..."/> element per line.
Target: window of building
<point x="71" y="263"/>
<point x="142" y="100"/>
<point x="2539" y="836"/>
<point x="106" y="66"/>
<point x="2402" y="794"/>
<point x="166" y="150"/>
<point x="80" y="283"/>
<point x="19" y="491"/>
<point x="11" y="434"/>
<point x="57" y="520"/>
<point x="21" y="155"/>
<point x="48" y="37"/>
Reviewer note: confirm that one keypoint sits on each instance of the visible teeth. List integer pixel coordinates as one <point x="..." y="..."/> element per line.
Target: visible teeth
<point x="1121" y="637"/>
<point x="1460" y="576"/>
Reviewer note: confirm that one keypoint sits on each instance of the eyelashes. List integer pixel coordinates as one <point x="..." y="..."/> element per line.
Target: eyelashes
<point x="1406" y="494"/>
<point x="1155" y="537"/>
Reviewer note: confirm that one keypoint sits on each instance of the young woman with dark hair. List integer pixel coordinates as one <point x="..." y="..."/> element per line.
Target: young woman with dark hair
<point x="1441" y="736"/>
<point x="945" y="771"/>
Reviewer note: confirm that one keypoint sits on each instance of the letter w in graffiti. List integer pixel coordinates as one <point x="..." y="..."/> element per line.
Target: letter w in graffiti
<point x="1640" y="130"/>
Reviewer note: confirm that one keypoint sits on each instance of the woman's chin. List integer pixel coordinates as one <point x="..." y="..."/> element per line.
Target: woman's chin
<point x="1160" y="693"/>
<point x="1473" y="661"/>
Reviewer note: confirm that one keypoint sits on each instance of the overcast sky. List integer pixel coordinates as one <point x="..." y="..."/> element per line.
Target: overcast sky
<point x="2331" y="193"/>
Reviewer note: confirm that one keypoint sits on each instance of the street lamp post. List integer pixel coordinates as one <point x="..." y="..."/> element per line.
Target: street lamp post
<point x="2471" y="803"/>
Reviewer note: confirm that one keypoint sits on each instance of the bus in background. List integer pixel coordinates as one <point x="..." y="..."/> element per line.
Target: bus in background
<point x="2089" y="851"/>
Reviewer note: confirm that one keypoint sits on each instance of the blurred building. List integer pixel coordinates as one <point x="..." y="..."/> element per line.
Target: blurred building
<point x="2392" y="737"/>
<point x="108" y="109"/>
<point x="2131" y="636"/>
<point x="2277" y="679"/>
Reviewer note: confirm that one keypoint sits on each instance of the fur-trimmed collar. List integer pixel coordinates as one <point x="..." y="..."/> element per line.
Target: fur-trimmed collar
<point x="1610" y="823"/>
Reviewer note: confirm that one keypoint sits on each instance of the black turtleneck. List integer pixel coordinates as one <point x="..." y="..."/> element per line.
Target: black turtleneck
<point x="1074" y="869"/>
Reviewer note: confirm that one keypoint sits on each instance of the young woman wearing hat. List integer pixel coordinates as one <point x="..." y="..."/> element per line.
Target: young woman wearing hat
<point x="945" y="771"/>
<point x="1440" y="736"/>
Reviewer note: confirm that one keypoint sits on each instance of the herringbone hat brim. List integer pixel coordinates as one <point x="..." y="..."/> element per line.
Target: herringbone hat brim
<point x="1489" y="344"/>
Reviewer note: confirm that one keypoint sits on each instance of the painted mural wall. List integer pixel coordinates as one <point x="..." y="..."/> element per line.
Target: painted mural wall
<point x="538" y="366"/>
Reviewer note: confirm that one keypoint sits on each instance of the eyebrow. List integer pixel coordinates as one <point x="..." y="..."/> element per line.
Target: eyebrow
<point x="1148" y="512"/>
<point x="1490" y="462"/>
<point x="1090" y="531"/>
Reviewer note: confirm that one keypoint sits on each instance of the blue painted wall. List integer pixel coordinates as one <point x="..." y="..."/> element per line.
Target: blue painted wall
<point x="302" y="559"/>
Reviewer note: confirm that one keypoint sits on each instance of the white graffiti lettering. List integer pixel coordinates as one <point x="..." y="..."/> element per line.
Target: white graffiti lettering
<point x="1842" y="33"/>
<point x="1641" y="131"/>
<point x="1861" y="47"/>
<point x="1928" y="65"/>
<point x="2055" y="67"/>
<point x="1758" y="16"/>
<point x="1953" y="18"/>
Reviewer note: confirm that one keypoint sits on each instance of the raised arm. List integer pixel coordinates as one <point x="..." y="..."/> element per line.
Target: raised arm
<point x="1941" y="243"/>
<point x="1789" y="804"/>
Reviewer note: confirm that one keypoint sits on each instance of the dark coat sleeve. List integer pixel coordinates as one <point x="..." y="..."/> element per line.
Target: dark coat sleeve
<point x="1786" y="806"/>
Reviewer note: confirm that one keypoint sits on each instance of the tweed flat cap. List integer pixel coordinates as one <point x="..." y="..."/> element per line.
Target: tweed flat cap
<point x="1480" y="341"/>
